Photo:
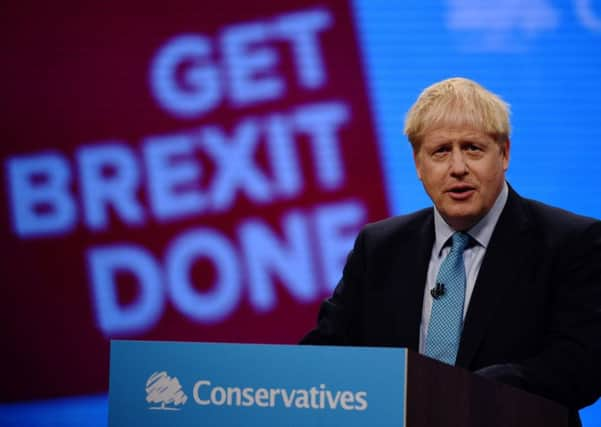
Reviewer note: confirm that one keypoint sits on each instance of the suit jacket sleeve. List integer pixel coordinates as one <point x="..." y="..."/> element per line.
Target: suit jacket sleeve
<point x="567" y="368"/>
<point x="378" y="301"/>
<point x="339" y="315"/>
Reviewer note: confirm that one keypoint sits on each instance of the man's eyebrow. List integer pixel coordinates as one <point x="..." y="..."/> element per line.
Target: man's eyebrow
<point x="472" y="138"/>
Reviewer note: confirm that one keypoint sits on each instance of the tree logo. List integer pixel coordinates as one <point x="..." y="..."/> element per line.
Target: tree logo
<point x="161" y="388"/>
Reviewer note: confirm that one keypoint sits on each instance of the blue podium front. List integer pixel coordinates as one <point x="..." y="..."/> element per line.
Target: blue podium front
<point x="200" y="384"/>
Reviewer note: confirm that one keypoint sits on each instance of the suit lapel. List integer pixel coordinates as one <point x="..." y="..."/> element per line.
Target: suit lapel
<point x="508" y="247"/>
<point x="408" y="275"/>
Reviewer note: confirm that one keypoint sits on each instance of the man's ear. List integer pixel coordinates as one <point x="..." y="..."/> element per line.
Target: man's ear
<point x="417" y="162"/>
<point x="505" y="150"/>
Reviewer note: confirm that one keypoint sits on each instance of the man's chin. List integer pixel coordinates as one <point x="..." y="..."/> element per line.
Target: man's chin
<point x="461" y="220"/>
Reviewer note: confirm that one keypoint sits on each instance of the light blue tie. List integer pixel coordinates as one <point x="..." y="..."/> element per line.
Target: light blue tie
<point x="446" y="320"/>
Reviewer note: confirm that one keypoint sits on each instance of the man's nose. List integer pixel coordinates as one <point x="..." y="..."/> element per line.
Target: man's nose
<point x="458" y="165"/>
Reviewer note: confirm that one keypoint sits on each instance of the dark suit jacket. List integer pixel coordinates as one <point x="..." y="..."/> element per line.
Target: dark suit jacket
<point x="534" y="315"/>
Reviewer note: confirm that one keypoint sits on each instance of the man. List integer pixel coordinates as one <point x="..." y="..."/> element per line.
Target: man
<point x="486" y="280"/>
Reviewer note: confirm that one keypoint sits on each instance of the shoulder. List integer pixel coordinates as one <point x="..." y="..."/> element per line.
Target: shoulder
<point x="559" y="228"/>
<point x="399" y="227"/>
<point x="558" y="220"/>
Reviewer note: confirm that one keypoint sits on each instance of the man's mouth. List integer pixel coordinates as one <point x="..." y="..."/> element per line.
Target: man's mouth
<point x="461" y="192"/>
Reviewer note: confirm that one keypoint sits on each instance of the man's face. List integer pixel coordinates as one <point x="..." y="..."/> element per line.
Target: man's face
<point x="462" y="170"/>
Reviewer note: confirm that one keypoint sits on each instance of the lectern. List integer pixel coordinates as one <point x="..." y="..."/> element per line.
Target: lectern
<point x="440" y="395"/>
<point x="201" y="384"/>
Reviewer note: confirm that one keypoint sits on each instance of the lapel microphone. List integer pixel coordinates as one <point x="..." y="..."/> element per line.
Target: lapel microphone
<point x="437" y="291"/>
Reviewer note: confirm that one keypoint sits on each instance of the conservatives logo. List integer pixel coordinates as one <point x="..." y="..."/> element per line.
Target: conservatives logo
<point x="164" y="390"/>
<point x="302" y="398"/>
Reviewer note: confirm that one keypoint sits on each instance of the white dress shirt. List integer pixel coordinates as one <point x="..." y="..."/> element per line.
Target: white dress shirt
<point x="472" y="257"/>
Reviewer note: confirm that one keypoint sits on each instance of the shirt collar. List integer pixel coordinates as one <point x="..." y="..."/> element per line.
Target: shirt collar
<point x="480" y="232"/>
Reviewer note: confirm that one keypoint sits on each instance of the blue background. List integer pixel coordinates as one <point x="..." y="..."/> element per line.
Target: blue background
<point x="541" y="59"/>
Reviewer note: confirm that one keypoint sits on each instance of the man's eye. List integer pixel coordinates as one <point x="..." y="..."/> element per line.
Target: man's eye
<point x="473" y="147"/>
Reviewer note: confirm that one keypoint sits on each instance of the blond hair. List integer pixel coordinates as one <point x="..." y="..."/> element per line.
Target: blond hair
<point x="457" y="102"/>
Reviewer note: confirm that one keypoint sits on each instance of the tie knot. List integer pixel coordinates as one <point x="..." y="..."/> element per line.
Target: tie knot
<point x="460" y="241"/>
